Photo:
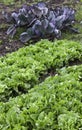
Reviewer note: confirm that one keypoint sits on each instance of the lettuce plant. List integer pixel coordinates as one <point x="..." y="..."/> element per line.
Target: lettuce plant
<point x="55" y="104"/>
<point x="30" y="65"/>
<point x="40" y="21"/>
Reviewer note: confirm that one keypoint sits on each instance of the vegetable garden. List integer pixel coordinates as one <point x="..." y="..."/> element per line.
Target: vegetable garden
<point x="41" y="82"/>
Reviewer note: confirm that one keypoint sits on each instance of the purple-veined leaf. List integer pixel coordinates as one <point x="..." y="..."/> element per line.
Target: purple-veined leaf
<point x="24" y="37"/>
<point x="51" y="15"/>
<point x="15" y="17"/>
<point x="45" y="23"/>
<point x="37" y="28"/>
<point x="57" y="33"/>
<point x="30" y="16"/>
<point x="11" y="30"/>
<point x="37" y="11"/>
<point x="45" y="11"/>
<point x="22" y="20"/>
<point x="42" y="6"/>
<point x="30" y="31"/>
<point x="50" y="28"/>
<point x="23" y="11"/>
<point x="60" y="20"/>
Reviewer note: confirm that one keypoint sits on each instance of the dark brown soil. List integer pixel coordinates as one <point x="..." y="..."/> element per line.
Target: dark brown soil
<point x="7" y="45"/>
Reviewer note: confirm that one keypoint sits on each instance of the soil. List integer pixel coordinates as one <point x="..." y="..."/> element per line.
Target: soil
<point x="8" y="45"/>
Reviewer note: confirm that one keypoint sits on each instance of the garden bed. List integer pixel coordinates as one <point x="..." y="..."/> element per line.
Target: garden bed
<point x="8" y="45"/>
<point x="41" y="82"/>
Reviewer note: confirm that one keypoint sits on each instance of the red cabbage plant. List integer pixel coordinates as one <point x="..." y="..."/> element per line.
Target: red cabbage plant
<point x="40" y="21"/>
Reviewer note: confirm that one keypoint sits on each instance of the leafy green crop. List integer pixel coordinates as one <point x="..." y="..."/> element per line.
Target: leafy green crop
<point x="21" y="70"/>
<point x="55" y="104"/>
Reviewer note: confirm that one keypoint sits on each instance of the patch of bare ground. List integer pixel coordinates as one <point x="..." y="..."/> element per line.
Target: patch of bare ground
<point x="7" y="45"/>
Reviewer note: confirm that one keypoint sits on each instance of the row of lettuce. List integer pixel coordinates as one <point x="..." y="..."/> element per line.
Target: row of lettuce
<point x="21" y="70"/>
<point x="55" y="104"/>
